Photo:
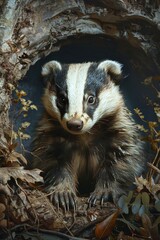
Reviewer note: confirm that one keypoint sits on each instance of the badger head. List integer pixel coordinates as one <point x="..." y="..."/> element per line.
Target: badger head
<point x="79" y="95"/>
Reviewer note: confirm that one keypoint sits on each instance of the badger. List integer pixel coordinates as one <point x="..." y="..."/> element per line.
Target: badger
<point x="86" y="139"/>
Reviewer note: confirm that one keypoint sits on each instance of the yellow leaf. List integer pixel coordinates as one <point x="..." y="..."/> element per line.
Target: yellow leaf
<point x="152" y="124"/>
<point x="141" y="128"/>
<point x="33" y="107"/>
<point x="25" y="109"/>
<point x="22" y="93"/>
<point x="139" y="113"/>
<point x="25" y="124"/>
<point x="25" y="136"/>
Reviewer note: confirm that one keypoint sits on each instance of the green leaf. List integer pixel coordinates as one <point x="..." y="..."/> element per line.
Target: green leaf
<point x="129" y="197"/>
<point x="125" y="209"/>
<point x="121" y="201"/>
<point x="123" y="204"/>
<point x="145" y="198"/>
<point x="136" y="204"/>
<point x="141" y="210"/>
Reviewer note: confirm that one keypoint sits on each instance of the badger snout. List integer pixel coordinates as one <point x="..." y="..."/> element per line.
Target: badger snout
<point x="75" y="124"/>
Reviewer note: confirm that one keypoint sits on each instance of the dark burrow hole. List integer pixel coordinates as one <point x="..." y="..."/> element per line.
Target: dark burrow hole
<point x="137" y="66"/>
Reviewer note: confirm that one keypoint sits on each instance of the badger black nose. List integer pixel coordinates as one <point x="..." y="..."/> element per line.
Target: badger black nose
<point x="75" y="124"/>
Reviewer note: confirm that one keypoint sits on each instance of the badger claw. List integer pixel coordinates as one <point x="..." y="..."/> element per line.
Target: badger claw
<point x="65" y="199"/>
<point x="61" y="189"/>
<point x="100" y="196"/>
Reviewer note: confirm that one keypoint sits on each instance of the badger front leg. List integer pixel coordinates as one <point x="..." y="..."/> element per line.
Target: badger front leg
<point x="61" y="185"/>
<point x="109" y="185"/>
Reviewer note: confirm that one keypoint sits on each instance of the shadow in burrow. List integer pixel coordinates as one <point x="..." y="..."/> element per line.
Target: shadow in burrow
<point x="137" y="66"/>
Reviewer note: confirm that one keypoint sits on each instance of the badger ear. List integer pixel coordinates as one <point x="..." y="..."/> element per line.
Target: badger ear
<point x="112" y="68"/>
<point x="49" y="70"/>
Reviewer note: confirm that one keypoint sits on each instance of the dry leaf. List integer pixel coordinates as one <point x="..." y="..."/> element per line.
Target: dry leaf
<point x="15" y="157"/>
<point x="4" y="223"/>
<point x="146" y="225"/>
<point x="33" y="107"/>
<point x="21" y="93"/>
<point x="139" y="113"/>
<point x="25" y="124"/>
<point x="5" y="189"/>
<point x="104" y="229"/>
<point x="2" y="208"/>
<point x="142" y="183"/>
<point x="29" y="176"/>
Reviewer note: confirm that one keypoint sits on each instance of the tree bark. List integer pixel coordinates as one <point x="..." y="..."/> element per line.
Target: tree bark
<point x="32" y="29"/>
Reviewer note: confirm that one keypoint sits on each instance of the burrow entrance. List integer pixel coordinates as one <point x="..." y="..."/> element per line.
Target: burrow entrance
<point x="137" y="66"/>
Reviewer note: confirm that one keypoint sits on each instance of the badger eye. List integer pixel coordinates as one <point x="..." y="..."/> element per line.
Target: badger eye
<point x="62" y="100"/>
<point x="91" y="100"/>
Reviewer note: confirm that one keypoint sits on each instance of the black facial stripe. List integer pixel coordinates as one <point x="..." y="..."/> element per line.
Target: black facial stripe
<point x="62" y="109"/>
<point x="60" y="78"/>
<point x="91" y="108"/>
<point x="61" y="88"/>
<point x="96" y="78"/>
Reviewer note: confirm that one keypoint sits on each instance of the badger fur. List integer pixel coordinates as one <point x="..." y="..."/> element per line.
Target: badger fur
<point x="86" y="135"/>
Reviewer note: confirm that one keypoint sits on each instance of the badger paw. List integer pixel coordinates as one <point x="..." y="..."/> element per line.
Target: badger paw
<point x="99" y="195"/>
<point x="60" y="186"/>
<point x="102" y="195"/>
<point x="63" y="196"/>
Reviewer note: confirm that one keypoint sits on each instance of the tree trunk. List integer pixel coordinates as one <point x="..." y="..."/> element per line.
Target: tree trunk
<point x="30" y="30"/>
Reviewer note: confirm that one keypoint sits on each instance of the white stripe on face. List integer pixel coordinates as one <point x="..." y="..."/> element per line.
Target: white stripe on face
<point x="109" y="100"/>
<point x="76" y="79"/>
<point x="49" y="100"/>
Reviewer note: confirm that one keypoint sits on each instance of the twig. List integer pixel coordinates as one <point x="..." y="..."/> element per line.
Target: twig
<point x="154" y="167"/>
<point x="154" y="163"/>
